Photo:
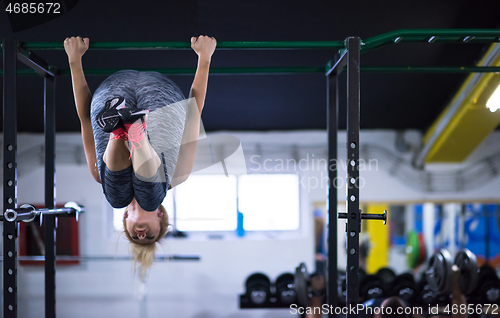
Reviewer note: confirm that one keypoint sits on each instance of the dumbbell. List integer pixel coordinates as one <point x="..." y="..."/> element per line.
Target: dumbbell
<point x="302" y="284"/>
<point x="427" y="296"/>
<point x="362" y="274"/>
<point x="372" y="287"/>
<point x="439" y="274"/>
<point x="424" y="293"/>
<point x="284" y="289"/>
<point x="405" y="287"/>
<point x="387" y="276"/>
<point x="467" y="262"/>
<point x="342" y="287"/>
<point x="258" y="288"/>
<point x="488" y="286"/>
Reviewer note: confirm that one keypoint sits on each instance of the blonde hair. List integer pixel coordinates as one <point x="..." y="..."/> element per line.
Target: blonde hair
<point x="144" y="253"/>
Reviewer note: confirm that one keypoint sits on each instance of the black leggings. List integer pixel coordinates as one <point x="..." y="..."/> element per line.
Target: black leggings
<point x="120" y="187"/>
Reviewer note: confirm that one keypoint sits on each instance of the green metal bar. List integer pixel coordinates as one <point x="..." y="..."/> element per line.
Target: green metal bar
<point x="431" y="36"/>
<point x="187" y="45"/>
<point x="288" y="70"/>
<point x="405" y="35"/>
<point x="219" y="71"/>
<point x="191" y="71"/>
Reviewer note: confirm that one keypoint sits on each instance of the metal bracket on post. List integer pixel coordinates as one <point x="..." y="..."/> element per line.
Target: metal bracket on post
<point x="38" y="64"/>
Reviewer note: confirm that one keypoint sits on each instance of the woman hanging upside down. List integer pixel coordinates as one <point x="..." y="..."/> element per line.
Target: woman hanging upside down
<point x="132" y="129"/>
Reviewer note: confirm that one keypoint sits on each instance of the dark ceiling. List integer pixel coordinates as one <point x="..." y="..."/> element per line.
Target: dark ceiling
<point x="270" y="102"/>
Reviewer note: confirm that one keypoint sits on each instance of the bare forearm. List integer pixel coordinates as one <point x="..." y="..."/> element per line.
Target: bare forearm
<point x="199" y="87"/>
<point x="204" y="47"/>
<point x="187" y="152"/>
<point x="83" y="99"/>
<point x="81" y="91"/>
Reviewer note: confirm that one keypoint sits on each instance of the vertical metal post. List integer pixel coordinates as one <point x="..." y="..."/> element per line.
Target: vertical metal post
<point x="332" y="99"/>
<point x="353" y="213"/>
<point x="50" y="197"/>
<point x="9" y="177"/>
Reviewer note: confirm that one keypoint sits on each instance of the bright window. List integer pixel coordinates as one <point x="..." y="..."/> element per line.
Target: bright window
<point x="269" y="201"/>
<point x="206" y="203"/>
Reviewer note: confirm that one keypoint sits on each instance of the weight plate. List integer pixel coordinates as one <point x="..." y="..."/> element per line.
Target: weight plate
<point x="361" y="274"/>
<point x="257" y="279"/>
<point x="284" y="280"/>
<point x="258" y="297"/>
<point x="371" y="287"/>
<point x="405" y="277"/>
<point x="439" y="273"/>
<point x="387" y="275"/>
<point x="421" y="249"/>
<point x="491" y="292"/>
<point x="29" y="206"/>
<point x="284" y="292"/>
<point x="467" y="262"/>
<point x="257" y="288"/>
<point x="404" y="286"/>
<point x="301" y="283"/>
<point x="342" y="288"/>
<point x="412" y="249"/>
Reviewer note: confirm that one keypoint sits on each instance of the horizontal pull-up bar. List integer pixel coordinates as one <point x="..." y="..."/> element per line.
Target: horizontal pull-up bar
<point x="287" y="70"/>
<point x="431" y="69"/>
<point x="106" y="258"/>
<point x="432" y="36"/>
<point x="283" y="45"/>
<point x="405" y="35"/>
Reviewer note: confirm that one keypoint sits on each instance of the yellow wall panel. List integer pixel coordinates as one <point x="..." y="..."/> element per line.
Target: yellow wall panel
<point x="378" y="233"/>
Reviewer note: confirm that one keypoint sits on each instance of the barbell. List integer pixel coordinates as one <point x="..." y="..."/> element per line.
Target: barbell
<point x="28" y="213"/>
<point x="439" y="274"/>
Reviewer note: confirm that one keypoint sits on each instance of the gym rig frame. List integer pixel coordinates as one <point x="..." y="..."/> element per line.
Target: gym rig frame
<point x="348" y="56"/>
<point x="12" y="215"/>
<point x="11" y="54"/>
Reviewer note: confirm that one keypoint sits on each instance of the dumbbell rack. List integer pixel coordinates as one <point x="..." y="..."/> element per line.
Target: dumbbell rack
<point x="347" y="57"/>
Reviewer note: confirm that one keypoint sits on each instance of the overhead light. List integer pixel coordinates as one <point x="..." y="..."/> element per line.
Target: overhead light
<point x="494" y="102"/>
